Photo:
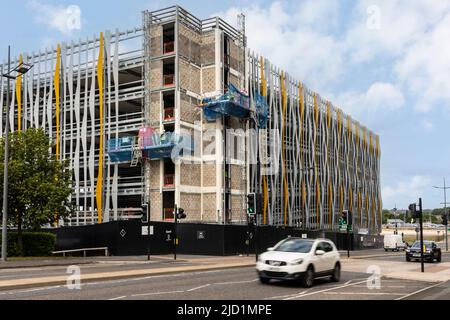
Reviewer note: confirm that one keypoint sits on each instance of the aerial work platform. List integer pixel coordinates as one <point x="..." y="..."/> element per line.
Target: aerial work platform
<point x="149" y="144"/>
<point x="236" y="104"/>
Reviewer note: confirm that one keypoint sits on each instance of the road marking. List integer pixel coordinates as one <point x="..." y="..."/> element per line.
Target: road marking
<point x="235" y="282"/>
<point x="155" y="293"/>
<point x="325" y="290"/>
<point x="286" y="296"/>
<point x="419" y="291"/>
<point x="201" y="287"/>
<point x="366" y="293"/>
<point x="118" y="298"/>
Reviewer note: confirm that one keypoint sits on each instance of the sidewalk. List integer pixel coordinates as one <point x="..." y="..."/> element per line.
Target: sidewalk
<point x="199" y="263"/>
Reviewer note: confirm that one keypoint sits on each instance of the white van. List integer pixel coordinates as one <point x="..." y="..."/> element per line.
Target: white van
<point x="394" y="242"/>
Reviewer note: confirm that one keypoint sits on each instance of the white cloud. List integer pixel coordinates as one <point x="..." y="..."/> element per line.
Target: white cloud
<point x="425" y="68"/>
<point x="400" y="26"/>
<point x="409" y="41"/>
<point x="378" y="97"/>
<point x="427" y="125"/>
<point x="295" y="40"/>
<point x="65" y="19"/>
<point x="404" y="190"/>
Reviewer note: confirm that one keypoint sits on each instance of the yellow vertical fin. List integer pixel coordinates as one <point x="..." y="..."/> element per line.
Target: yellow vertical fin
<point x="265" y="186"/>
<point x="19" y="98"/>
<point x="99" y="189"/>
<point x="285" y="184"/>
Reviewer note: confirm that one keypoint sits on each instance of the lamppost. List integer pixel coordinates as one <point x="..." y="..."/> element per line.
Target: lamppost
<point x="396" y="216"/>
<point x="21" y="69"/>
<point x="445" y="211"/>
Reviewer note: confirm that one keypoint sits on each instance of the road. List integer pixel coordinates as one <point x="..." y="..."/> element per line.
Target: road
<point x="233" y="284"/>
<point x="227" y="284"/>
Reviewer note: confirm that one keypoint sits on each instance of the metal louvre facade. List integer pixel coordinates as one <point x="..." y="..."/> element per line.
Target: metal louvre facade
<point x="86" y="93"/>
<point x="82" y="94"/>
<point x="329" y="162"/>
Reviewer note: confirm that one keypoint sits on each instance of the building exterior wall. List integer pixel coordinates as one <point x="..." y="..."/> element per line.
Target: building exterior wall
<point x="344" y="155"/>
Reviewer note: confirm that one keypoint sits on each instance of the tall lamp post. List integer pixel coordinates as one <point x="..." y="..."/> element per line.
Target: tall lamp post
<point x="445" y="211"/>
<point x="21" y="69"/>
<point x="396" y="222"/>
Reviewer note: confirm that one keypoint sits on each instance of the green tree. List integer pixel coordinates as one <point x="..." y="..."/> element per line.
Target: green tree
<point x="386" y="214"/>
<point x="38" y="186"/>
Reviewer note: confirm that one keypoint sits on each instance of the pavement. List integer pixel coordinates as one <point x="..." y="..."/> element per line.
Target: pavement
<point x="101" y="269"/>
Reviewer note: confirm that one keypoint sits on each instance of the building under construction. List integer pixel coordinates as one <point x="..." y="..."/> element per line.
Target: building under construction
<point x="179" y="112"/>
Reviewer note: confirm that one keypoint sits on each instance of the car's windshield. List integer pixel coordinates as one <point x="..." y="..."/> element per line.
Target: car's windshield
<point x="416" y="245"/>
<point x="295" y="245"/>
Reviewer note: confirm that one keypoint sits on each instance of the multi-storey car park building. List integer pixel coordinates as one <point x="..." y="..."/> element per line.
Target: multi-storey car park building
<point x="118" y="104"/>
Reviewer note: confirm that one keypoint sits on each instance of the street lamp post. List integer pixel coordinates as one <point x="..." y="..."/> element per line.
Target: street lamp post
<point x="5" y="176"/>
<point x="21" y="69"/>
<point x="396" y="222"/>
<point x="445" y="211"/>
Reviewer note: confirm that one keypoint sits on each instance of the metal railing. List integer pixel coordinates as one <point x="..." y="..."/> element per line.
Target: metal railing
<point x="169" y="180"/>
<point x="169" y="47"/>
<point x="169" y="80"/>
<point x="169" y="114"/>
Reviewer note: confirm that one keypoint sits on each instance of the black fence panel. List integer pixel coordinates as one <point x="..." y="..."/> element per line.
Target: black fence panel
<point x="133" y="238"/>
<point x="160" y="240"/>
<point x="200" y="239"/>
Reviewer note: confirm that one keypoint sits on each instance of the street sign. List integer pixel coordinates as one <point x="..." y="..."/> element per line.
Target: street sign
<point x="363" y="231"/>
<point x="168" y="235"/>
<point x="201" y="235"/>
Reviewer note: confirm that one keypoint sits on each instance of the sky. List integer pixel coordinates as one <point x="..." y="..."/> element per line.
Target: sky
<point x="384" y="62"/>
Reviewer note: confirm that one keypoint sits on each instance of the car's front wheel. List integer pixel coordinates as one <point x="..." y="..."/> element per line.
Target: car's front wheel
<point x="264" y="280"/>
<point x="439" y="258"/>
<point x="408" y="259"/>
<point x="308" y="278"/>
<point x="336" y="276"/>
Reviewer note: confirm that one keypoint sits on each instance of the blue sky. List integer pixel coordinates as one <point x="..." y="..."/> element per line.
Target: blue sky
<point x="385" y="62"/>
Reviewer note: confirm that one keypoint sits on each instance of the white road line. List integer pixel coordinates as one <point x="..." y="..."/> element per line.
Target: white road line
<point x="155" y="293"/>
<point x="201" y="287"/>
<point x="325" y="290"/>
<point x="235" y="282"/>
<point x="286" y="296"/>
<point x="366" y="293"/>
<point x="29" y="290"/>
<point x="118" y="298"/>
<point x="418" y="291"/>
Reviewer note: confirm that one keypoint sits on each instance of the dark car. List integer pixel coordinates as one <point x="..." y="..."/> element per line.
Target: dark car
<point x="431" y="252"/>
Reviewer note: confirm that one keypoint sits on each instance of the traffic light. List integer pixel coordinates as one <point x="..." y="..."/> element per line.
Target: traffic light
<point x="181" y="214"/>
<point x="251" y="203"/>
<point x="444" y="219"/>
<point x="259" y="203"/>
<point x="344" y="217"/>
<point x="413" y="210"/>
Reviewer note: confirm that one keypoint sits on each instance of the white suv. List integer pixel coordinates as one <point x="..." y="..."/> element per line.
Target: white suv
<point x="300" y="259"/>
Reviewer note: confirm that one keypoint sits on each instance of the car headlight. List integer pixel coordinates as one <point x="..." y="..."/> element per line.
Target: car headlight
<point x="407" y="250"/>
<point x="295" y="262"/>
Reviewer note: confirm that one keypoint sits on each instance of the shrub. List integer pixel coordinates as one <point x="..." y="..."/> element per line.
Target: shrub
<point x="35" y="244"/>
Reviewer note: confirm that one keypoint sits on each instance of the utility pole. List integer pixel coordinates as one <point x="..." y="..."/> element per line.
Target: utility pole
<point x="19" y="70"/>
<point x="5" y="177"/>
<point x="175" y="240"/>
<point x="445" y="211"/>
<point x="421" y="234"/>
